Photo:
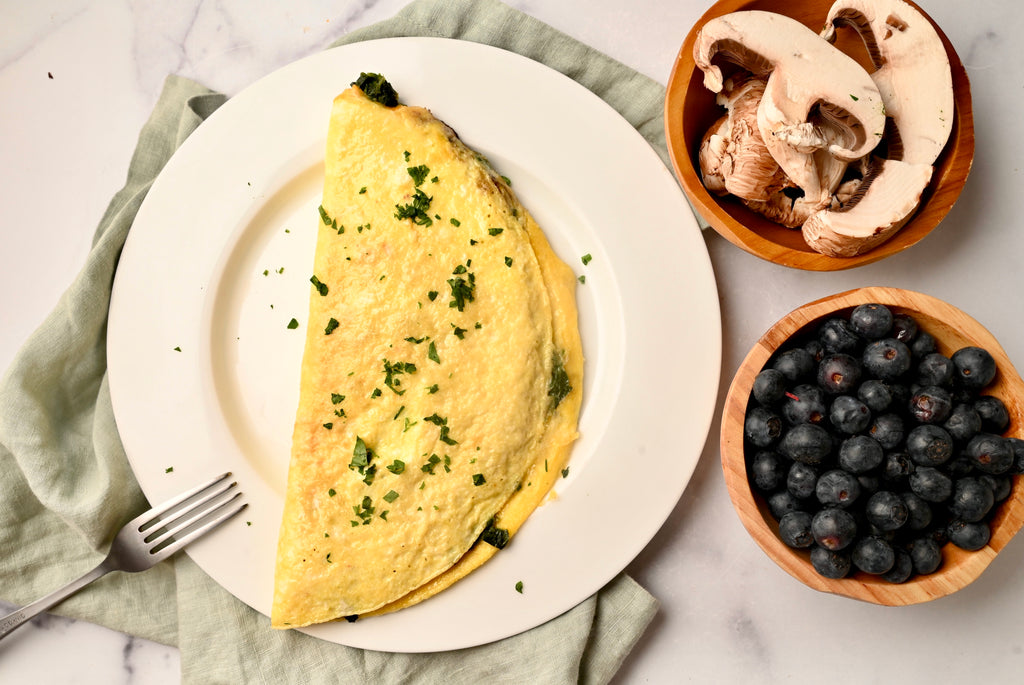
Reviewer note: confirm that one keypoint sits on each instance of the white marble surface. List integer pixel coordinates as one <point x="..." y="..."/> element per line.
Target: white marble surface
<point x="728" y="613"/>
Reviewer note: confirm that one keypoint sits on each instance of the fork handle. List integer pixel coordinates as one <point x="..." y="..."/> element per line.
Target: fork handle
<point x="20" y="616"/>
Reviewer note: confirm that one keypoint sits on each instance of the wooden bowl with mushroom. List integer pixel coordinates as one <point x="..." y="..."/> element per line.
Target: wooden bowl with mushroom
<point x="952" y="330"/>
<point x="813" y="164"/>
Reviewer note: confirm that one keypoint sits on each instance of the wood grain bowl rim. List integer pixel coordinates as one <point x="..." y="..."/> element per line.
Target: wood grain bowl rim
<point x="952" y="329"/>
<point x="951" y="168"/>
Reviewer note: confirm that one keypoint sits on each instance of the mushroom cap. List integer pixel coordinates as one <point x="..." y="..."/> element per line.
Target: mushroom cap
<point x="912" y="72"/>
<point x="887" y="198"/>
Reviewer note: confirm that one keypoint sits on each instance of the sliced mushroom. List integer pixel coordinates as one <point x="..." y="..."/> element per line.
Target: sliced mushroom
<point x="733" y="156"/>
<point x="912" y="72"/>
<point x="884" y="201"/>
<point x="820" y="108"/>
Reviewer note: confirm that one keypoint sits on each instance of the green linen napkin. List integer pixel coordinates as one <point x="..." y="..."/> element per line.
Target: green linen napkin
<point x="66" y="486"/>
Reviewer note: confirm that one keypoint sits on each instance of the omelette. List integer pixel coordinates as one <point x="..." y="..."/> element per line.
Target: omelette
<point x="442" y="371"/>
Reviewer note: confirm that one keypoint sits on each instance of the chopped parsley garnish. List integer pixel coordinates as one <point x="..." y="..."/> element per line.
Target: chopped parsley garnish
<point x="432" y="389"/>
<point x="396" y="467"/>
<point x="177" y="349"/>
<point x="328" y="425"/>
<point x="377" y="88"/>
<point x="581" y="278"/>
<point x="432" y="353"/>
<point x="558" y="385"/>
<point x="455" y="222"/>
<point x="519" y="587"/>
<point x="419" y="174"/>
<point x="361" y="457"/>
<point x="432" y="462"/>
<point x="414" y="340"/>
<point x="336" y="398"/>
<point x="391" y="496"/>
<point x="396" y="369"/>
<point x="293" y="324"/>
<point x="376" y="393"/>
<point x="364" y="510"/>
<point x="495" y="231"/>
<point x="854" y="97"/>
<point x="463" y="289"/>
<point x="478" y="479"/>
<point x="398" y="413"/>
<point x="508" y="261"/>
<point x="442" y="423"/>
<point x="320" y="287"/>
<point x="460" y="333"/>
<point x="507" y="180"/>
<point x="332" y="324"/>
<point x="494" y="536"/>
<point x="406" y="155"/>
<point x="328" y="558"/>
<point x="332" y="492"/>
<point x="416" y="210"/>
<point x="432" y="295"/>
<point x="586" y="259"/>
<point x="169" y="469"/>
<point x="565" y="472"/>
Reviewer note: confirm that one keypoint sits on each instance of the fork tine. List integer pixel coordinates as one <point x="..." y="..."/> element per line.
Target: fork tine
<point x="176" y="513"/>
<point x="182" y="520"/>
<point x="216" y="516"/>
<point x="164" y="507"/>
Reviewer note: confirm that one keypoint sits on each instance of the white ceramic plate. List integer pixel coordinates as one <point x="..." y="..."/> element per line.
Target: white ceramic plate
<point x="204" y="370"/>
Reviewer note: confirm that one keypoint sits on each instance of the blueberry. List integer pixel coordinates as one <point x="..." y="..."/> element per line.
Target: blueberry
<point x="1017" y="445"/>
<point x="919" y="512"/>
<point x="924" y="344"/>
<point x="963" y="422"/>
<point x="935" y="369"/>
<point x="886" y="510"/>
<point x="807" y="443"/>
<point x="887" y="429"/>
<point x="860" y="453"/>
<point x="837" y="488"/>
<point x="926" y="555"/>
<point x="902" y="569"/>
<point x="994" y="416"/>
<point x="887" y="358"/>
<point x="795" y="529"/>
<point x="929" y="445"/>
<point x="869" y="484"/>
<point x="904" y="328"/>
<point x="975" y="367"/>
<point x="900" y="393"/>
<point x="873" y="555"/>
<point x="958" y="467"/>
<point x="769" y="386"/>
<point x="849" y="415"/>
<point x="782" y="502"/>
<point x="930" y="484"/>
<point x="930" y="404"/>
<point x="990" y="453"/>
<point x="897" y="467"/>
<point x="972" y="499"/>
<point x="815" y="349"/>
<point x="766" y="470"/>
<point x="839" y="373"/>
<point x="1000" y="485"/>
<point x="804" y="404"/>
<point x="871" y="320"/>
<point x="836" y="335"/>
<point x="829" y="563"/>
<point x="795" y="364"/>
<point x="834" y="529"/>
<point x="969" y="536"/>
<point x="875" y="394"/>
<point x="762" y="426"/>
<point x="801" y="480"/>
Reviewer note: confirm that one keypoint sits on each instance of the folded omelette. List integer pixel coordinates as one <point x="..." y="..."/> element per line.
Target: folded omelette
<point x="442" y="371"/>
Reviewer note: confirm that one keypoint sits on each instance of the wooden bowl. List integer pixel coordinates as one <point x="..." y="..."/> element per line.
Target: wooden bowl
<point x="690" y="110"/>
<point x="952" y="330"/>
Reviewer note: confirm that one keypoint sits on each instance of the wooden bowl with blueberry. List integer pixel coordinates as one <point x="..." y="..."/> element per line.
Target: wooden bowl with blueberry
<point x="872" y="446"/>
<point x="885" y="163"/>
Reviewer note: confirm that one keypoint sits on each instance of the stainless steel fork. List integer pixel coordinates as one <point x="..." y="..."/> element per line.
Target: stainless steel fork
<point x="148" y="539"/>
